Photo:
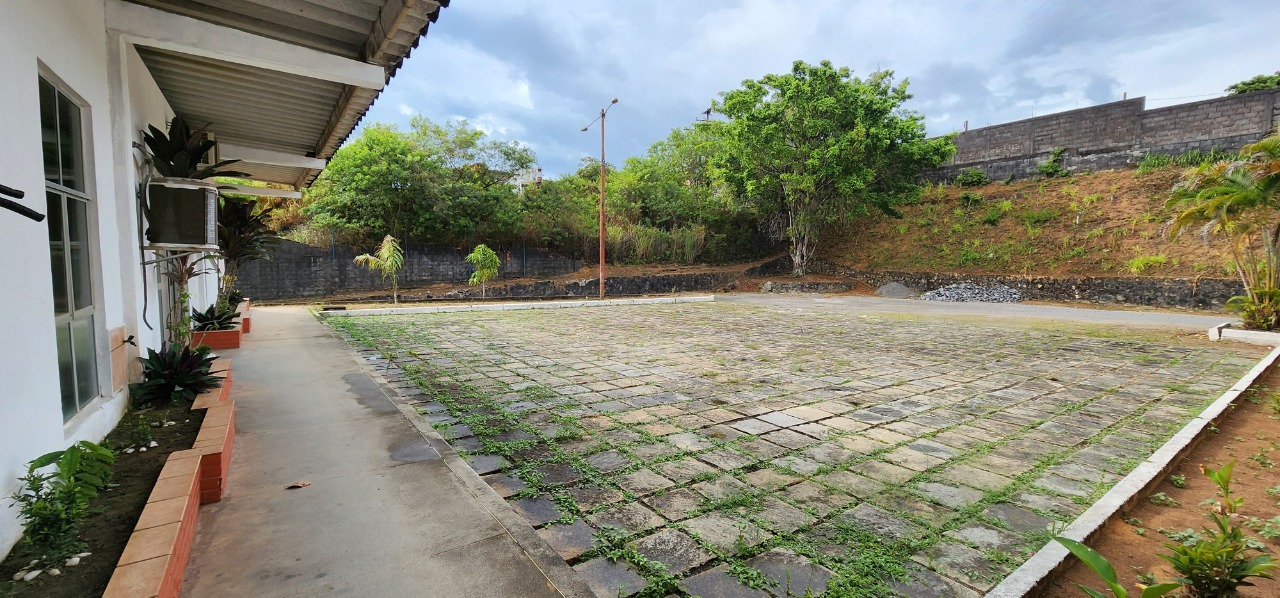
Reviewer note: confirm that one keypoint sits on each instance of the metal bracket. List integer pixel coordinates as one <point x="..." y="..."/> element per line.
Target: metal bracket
<point x="168" y="257"/>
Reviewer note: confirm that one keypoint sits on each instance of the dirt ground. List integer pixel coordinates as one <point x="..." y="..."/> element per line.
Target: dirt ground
<point x="1083" y="225"/>
<point x="1250" y="436"/>
<point x="114" y="512"/>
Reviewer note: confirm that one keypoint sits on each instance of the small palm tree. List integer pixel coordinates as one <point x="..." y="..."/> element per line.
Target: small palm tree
<point x="486" y="263"/>
<point x="388" y="262"/>
<point x="1240" y="199"/>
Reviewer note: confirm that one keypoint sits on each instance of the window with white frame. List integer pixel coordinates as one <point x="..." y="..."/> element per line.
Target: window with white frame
<point x="69" y="247"/>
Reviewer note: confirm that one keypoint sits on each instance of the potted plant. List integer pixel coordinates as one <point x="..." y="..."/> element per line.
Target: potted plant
<point x="216" y="327"/>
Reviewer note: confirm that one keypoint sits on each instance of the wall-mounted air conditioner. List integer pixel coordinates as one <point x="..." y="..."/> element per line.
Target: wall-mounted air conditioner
<point x="182" y="215"/>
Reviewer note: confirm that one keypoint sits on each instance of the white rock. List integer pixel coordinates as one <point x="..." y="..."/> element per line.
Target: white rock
<point x="55" y="572"/>
<point x="129" y="450"/>
<point x="153" y="444"/>
<point x="73" y="561"/>
<point x="32" y="575"/>
<point x="19" y="575"/>
<point x="33" y="563"/>
<point x="83" y="554"/>
<point x="142" y="449"/>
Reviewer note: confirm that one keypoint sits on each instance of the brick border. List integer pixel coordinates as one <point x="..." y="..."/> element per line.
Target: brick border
<point x="154" y="560"/>
<point x="388" y="311"/>
<point x="1052" y="559"/>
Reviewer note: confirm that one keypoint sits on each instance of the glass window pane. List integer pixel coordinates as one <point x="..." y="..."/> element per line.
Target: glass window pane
<point x="66" y="370"/>
<point x="86" y="359"/>
<point x="69" y="143"/>
<point x="57" y="254"/>
<point x="78" y="236"/>
<point x="49" y="131"/>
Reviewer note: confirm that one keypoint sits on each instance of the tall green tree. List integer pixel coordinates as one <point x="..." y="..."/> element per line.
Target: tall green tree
<point x="817" y="145"/>
<point x="378" y="185"/>
<point x="486" y="263"/>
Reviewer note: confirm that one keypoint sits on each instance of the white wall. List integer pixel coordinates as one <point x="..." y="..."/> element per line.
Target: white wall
<point x="66" y="41"/>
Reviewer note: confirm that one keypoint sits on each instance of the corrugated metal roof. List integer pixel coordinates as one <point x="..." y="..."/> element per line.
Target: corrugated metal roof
<point x="257" y="107"/>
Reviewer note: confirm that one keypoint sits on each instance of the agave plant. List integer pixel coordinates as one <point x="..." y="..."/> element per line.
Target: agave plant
<point x="219" y="316"/>
<point x="178" y="154"/>
<point x="176" y="372"/>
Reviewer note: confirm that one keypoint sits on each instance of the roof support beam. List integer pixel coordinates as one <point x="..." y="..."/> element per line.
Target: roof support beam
<point x="256" y="155"/>
<point x="261" y="191"/>
<point x="154" y="28"/>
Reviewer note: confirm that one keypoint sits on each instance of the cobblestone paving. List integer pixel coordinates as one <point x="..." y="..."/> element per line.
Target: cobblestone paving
<point x="737" y="450"/>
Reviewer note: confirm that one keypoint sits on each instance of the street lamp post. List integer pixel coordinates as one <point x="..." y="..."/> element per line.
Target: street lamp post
<point x="603" y="112"/>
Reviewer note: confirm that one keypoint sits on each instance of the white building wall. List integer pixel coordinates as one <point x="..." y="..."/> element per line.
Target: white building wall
<point x="66" y="42"/>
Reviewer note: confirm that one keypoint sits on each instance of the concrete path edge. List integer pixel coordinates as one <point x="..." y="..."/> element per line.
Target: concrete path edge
<point x="1052" y="559"/>
<point x="546" y="559"/>
<point x="436" y="309"/>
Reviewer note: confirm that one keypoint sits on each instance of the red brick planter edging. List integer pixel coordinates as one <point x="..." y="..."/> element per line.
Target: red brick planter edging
<point x="246" y="322"/>
<point x="218" y="339"/>
<point x="155" y="559"/>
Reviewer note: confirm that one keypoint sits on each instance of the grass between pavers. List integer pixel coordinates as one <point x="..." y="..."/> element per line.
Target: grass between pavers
<point x="862" y="570"/>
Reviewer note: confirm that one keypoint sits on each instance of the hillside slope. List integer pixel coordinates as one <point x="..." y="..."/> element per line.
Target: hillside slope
<point x="1111" y="223"/>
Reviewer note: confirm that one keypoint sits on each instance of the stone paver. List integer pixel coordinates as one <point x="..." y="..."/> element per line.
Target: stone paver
<point x="716" y="427"/>
<point x="611" y="580"/>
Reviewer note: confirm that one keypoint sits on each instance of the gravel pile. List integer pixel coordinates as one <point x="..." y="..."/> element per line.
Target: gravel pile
<point x="968" y="291"/>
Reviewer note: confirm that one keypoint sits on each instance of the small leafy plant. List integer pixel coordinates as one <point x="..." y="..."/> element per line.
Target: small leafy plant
<point x="52" y="504"/>
<point x="969" y="199"/>
<point x="1178" y="480"/>
<point x="176" y="372"/>
<point x="1219" y="563"/>
<point x="1163" y="500"/>
<point x="972" y="177"/>
<point x="1142" y="263"/>
<point x="1099" y="565"/>
<point x="486" y="263"/>
<point x="388" y="262"/>
<point x="1052" y="168"/>
<point x="218" y="316"/>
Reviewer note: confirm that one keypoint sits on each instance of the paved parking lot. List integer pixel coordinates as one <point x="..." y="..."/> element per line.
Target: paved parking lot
<point x="753" y="450"/>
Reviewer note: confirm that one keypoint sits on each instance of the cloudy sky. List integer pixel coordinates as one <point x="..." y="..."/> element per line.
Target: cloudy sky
<point x="538" y="71"/>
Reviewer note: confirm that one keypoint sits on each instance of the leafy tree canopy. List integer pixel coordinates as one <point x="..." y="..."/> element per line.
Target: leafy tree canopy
<point x="1258" y="83"/>
<point x="817" y="145"/>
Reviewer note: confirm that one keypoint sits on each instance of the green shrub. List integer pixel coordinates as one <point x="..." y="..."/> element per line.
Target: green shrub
<point x="972" y="177"/>
<point x="1008" y="180"/>
<point x="1052" y="168"/>
<point x="1142" y="263"/>
<point x="969" y="199"/>
<point x="176" y="372"/>
<point x="1038" y="218"/>
<point x="993" y="216"/>
<point x="53" y="504"/>
<point x="1188" y="159"/>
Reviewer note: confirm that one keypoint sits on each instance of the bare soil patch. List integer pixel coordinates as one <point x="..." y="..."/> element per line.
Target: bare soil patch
<point x="114" y="512"/>
<point x="1249" y="435"/>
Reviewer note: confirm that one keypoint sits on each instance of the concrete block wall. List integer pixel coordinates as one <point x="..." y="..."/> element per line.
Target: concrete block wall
<point x="296" y="270"/>
<point x="1113" y="135"/>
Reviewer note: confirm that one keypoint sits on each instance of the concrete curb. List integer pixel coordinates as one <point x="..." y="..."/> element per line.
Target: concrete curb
<point x="389" y="311"/>
<point x="1052" y="558"/>
<point x="559" y="574"/>
<point x="1225" y="331"/>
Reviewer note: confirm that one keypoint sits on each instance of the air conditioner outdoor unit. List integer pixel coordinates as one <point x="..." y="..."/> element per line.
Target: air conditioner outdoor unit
<point x="182" y="215"/>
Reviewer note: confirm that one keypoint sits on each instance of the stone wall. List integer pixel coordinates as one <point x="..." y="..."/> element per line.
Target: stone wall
<point x="1113" y="135"/>
<point x="1203" y="293"/>
<point x="296" y="270"/>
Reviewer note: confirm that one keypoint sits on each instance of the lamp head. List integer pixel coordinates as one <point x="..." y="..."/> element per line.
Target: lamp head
<point x="584" y="129"/>
<point x="615" y="101"/>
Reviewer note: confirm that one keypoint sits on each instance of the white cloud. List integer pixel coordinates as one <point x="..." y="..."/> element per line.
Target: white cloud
<point x="537" y="72"/>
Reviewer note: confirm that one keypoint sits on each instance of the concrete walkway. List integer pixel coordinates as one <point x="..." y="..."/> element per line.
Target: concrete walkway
<point x="391" y="509"/>
<point x="1003" y="311"/>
